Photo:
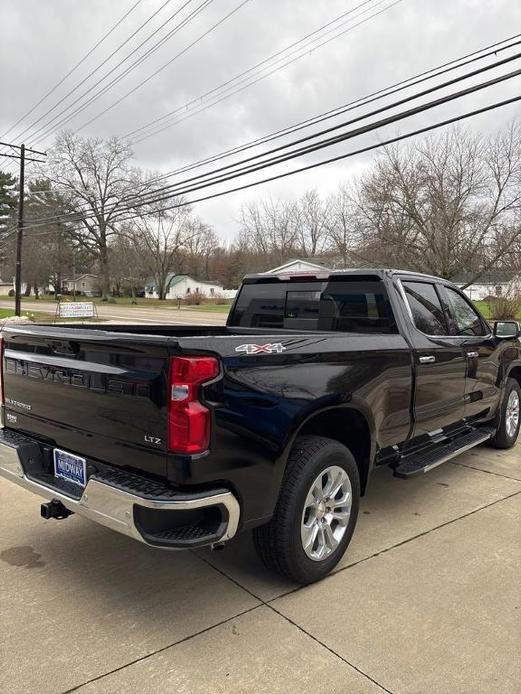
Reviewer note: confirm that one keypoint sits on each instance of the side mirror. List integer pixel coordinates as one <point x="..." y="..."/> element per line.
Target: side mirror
<point x="507" y="329"/>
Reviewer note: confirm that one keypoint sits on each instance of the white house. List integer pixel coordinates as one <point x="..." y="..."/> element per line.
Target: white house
<point x="298" y="265"/>
<point x="181" y="286"/>
<point x="495" y="283"/>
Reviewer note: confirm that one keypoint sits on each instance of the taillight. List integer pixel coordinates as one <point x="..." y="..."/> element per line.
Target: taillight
<point x="189" y="421"/>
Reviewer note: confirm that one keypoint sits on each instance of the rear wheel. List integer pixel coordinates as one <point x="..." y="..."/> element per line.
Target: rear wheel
<point x="509" y="416"/>
<point x="316" y="512"/>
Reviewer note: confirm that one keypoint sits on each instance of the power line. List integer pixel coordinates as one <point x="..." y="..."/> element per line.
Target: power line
<point x="391" y="119"/>
<point x="96" y="69"/>
<point x="167" y="64"/>
<point x="363" y="150"/>
<point x="73" y="69"/>
<point x="178" y="188"/>
<point x="81" y="107"/>
<point x="258" y="65"/>
<point x="362" y="101"/>
<point x="328" y="142"/>
<point x="345" y="124"/>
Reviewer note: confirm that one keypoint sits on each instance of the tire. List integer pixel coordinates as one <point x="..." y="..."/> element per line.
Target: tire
<point x="314" y="462"/>
<point x="508" y="431"/>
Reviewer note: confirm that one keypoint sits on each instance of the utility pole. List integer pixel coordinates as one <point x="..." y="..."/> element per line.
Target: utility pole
<point x="74" y="275"/>
<point x="19" y="236"/>
<point x="20" y="225"/>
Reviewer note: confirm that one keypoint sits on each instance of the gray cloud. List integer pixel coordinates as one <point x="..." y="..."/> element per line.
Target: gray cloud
<point x="40" y="42"/>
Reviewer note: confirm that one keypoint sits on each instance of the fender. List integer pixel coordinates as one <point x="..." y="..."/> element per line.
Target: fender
<point x="279" y="469"/>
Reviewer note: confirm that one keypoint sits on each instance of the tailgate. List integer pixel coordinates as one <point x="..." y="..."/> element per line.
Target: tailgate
<point x="97" y="394"/>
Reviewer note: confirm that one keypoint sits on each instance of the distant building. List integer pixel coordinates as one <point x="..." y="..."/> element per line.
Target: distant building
<point x="299" y="265"/>
<point x="181" y="286"/>
<point x="495" y="283"/>
<point x="5" y="288"/>
<point x="87" y="284"/>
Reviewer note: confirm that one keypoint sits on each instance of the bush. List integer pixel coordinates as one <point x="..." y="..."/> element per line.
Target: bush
<point x="194" y="299"/>
<point x="220" y="300"/>
<point x="506" y="307"/>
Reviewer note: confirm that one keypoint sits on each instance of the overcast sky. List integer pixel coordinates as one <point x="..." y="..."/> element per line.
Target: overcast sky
<point x="41" y="41"/>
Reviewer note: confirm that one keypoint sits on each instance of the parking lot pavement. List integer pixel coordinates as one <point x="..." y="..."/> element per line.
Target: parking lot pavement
<point x="427" y="599"/>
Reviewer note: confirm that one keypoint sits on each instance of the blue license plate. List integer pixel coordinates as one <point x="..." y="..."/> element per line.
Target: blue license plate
<point x="70" y="467"/>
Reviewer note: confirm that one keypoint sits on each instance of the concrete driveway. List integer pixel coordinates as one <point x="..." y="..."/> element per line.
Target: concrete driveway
<point x="427" y="599"/>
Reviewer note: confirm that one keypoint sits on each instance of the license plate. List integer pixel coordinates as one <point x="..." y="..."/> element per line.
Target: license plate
<point x="70" y="467"/>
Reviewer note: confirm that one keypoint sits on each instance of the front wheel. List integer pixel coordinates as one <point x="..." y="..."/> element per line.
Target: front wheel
<point x="509" y="416"/>
<point x="316" y="512"/>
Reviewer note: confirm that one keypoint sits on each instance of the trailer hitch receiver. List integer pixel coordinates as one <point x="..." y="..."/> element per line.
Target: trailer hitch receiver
<point x="54" y="509"/>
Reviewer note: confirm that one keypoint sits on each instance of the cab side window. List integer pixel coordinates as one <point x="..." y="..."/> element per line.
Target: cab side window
<point x="465" y="318"/>
<point x="426" y="308"/>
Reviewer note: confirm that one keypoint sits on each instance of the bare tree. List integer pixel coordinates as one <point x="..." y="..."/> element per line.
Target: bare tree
<point x="311" y="214"/>
<point x="447" y="204"/>
<point x="340" y="223"/>
<point x="164" y="238"/>
<point x="128" y="261"/>
<point x="97" y="183"/>
<point x="201" y="243"/>
<point x="268" y="229"/>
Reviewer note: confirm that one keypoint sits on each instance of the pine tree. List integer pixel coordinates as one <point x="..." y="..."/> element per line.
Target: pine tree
<point x="8" y="201"/>
<point x="8" y="198"/>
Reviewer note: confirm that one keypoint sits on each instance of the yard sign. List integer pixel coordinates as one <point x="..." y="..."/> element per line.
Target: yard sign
<point x="76" y="309"/>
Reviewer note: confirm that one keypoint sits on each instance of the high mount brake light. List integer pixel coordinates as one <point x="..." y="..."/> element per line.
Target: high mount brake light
<point x="189" y="421"/>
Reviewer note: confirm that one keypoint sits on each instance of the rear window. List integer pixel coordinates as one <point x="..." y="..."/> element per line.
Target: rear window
<point x="343" y="305"/>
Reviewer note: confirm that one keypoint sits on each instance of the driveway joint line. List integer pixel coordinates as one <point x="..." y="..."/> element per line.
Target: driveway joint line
<point x="488" y="472"/>
<point x="398" y="544"/>
<point x="159" y="650"/>
<point x="328" y="648"/>
<point x="233" y="580"/>
<point x="265" y="604"/>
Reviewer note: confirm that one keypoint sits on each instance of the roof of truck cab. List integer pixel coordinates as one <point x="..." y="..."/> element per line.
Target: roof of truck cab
<point x="379" y="272"/>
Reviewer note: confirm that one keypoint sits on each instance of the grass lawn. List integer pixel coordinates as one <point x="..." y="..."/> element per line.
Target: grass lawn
<point x="33" y="315"/>
<point x="211" y="308"/>
<point x="127" y="301"/>
<point x="485" y="308"/>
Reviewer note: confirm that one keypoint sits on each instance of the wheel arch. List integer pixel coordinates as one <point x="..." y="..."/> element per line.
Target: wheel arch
<point x="515" y="372"/>
<point x="350" y="426"/>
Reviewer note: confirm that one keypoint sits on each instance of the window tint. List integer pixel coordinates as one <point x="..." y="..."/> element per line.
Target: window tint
<point x="464" y="316"/>
<point x="342" y="305"/>
<point x="426" y="308"/>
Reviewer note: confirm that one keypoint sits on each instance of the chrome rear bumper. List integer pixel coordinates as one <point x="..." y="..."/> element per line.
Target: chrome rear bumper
<point x="107" y="503"/>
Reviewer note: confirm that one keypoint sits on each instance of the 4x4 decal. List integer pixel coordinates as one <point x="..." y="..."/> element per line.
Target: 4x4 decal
<point x="270" y="348"/>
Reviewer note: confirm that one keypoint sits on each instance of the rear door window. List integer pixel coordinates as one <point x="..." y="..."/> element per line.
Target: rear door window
<point x="426" y="309"/>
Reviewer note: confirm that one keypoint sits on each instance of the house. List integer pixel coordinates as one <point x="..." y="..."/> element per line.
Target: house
<point x="181" y="286"/>
<point x="5" y="288"/>
<point x="299" y="265"/>
<point x="495" y="283"/>
<point x="87" y="284"/>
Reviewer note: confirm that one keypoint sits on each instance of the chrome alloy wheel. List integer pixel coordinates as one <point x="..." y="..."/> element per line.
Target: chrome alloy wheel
<point x="512" y="414"/>
<point x="326" y="513"/>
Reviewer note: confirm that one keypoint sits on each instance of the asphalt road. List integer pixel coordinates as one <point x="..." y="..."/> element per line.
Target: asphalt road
<point x="427" y="600"/>
<point x="135" y="314"/>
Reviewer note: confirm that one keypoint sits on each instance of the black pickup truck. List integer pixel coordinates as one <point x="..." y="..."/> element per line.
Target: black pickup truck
<point x="183" y="436"/>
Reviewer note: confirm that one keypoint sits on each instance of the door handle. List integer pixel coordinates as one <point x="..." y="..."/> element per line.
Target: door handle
<point x="472" y="355"/>
<point x="427" y="360"/>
